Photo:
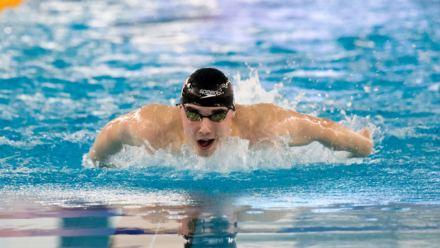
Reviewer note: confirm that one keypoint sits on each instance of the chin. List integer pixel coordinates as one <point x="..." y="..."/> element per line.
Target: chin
<point x="206" y="153"/>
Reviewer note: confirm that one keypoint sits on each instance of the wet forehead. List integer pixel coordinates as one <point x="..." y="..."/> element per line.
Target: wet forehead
<point x="205" y="110"/>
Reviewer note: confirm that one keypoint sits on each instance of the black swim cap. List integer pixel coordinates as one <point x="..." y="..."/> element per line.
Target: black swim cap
<point x="208" y="87"/>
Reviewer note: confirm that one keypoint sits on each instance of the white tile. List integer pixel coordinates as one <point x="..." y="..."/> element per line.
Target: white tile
<point x="30" y="242"/>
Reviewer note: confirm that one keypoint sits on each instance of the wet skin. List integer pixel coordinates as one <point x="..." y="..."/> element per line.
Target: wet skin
<point x="158" y="126"/>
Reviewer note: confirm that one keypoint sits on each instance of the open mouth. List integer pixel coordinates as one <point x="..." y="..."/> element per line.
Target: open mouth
<point x="205" y="144"/>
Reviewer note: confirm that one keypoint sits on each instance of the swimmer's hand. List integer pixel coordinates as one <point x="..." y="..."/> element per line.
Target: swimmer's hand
<point x="367" y="145"/>
<point x="109" y="142"/>
<point x="364" y="132"/>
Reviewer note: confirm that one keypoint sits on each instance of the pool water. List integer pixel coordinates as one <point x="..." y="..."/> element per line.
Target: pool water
<point x="69" y="67"/>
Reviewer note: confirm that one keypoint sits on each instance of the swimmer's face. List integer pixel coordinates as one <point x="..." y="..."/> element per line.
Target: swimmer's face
<point x="206" y="135"/>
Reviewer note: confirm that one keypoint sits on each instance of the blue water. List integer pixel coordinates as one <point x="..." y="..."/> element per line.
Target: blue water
<point x="69" y="67"/>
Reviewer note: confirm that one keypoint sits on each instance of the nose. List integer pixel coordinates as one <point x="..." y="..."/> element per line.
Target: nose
<point x="205" y="127"/>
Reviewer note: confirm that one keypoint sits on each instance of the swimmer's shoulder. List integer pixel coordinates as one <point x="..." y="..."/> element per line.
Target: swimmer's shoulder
<point x="160" y="124"/>
<point x="260" y="111"/>
<point x="248" y="120"/>
<point x="259" y="121"/>
<point x="159" y="113"/>
<point x="151" y="122"/>
<point x="155" y="125"/>
<point x="152" y="114"/>
<point x="157" y="117"/>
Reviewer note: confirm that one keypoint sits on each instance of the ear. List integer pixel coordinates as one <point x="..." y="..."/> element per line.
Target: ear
<point x="232" y="114"/>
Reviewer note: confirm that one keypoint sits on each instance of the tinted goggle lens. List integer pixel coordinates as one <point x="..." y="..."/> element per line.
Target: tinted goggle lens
<point x="217" y="117"/>
<point x="192" y="116"/>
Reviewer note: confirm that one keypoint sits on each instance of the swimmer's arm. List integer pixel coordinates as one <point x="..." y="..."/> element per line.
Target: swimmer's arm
<point x="133" y="130"/>
<point x="110" y="141"/>
<point x="331" y="134"/>
<point x="107" y="143"/>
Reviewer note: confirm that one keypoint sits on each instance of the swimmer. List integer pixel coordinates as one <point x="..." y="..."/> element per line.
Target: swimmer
<point x="207" y="115"/>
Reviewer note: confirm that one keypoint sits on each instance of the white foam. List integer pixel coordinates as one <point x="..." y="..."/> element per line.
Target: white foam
<point x="316" y="73"/>
<point x="233" y="155"/>
<point x="82" y="136"/>
<point x="409" y="132"/>
<point x="434" y="87"/>
<point x="59" y="196"/>
<point x="250" y="91"/>
<point x="28" y="144"/>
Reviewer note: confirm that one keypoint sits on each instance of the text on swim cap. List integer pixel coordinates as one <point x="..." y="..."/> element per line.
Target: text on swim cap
<point x="210" y="93"/>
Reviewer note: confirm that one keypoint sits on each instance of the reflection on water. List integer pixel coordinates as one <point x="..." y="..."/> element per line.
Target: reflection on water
<point x="216" y="223"/>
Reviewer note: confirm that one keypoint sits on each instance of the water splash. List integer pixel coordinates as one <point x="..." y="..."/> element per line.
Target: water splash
<point x="250" y="91"/>
<point x="233" y="155"/>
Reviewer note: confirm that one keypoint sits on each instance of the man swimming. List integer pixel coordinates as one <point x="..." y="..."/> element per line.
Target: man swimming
<point x="207" y="115"/>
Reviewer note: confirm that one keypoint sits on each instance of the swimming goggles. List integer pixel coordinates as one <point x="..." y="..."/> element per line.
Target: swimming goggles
<point x="193" y="115"/>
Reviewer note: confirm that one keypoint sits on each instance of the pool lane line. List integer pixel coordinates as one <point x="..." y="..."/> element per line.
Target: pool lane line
<point x="154" y="237"/>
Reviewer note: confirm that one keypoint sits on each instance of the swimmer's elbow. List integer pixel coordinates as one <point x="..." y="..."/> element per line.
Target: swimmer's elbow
<point x="362" y="151"/>
<point x="100" y="156"/>
<point x="93" y="157"/>
<point x="106" y="144"/>
<point x="367" y="149"/>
